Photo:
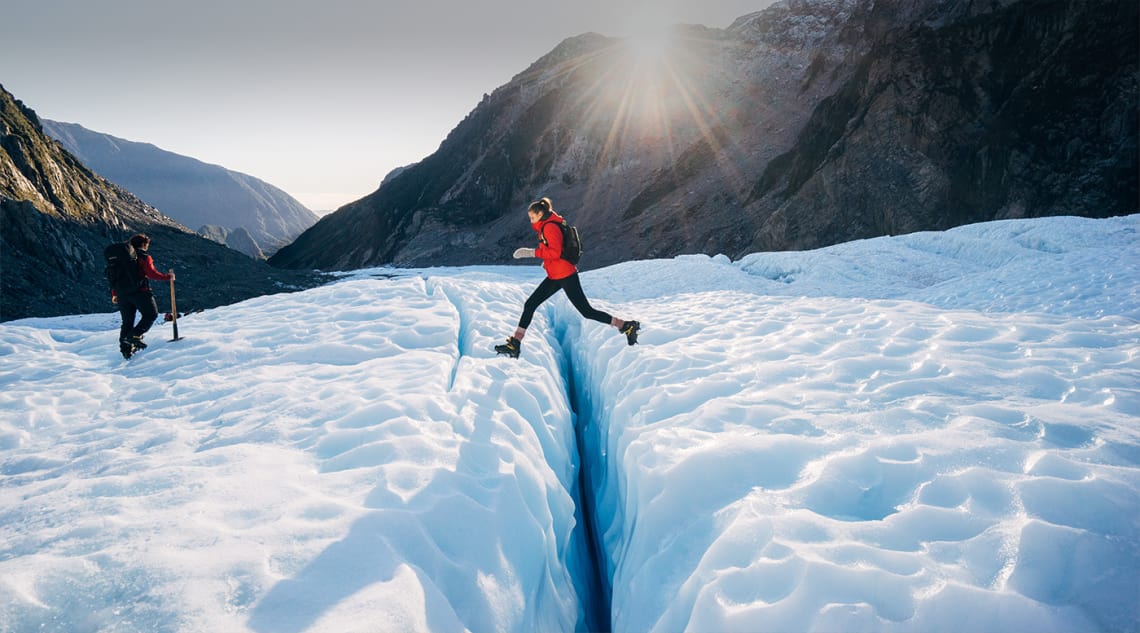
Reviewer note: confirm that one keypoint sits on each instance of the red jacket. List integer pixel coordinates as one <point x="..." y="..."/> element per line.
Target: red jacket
<point x="550" y="248"/>
<point x="146" y="267"/>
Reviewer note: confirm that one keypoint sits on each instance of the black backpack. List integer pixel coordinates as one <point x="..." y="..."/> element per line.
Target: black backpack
<point x="122" y="271"/>
<point x="571" y="242"/>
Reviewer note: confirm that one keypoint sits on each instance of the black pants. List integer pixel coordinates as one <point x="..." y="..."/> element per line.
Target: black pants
<point x="573" y="287"/>
<point x="142" y="303"/>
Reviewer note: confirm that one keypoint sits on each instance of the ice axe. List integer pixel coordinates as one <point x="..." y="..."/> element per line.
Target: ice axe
<point x="174" y="311"/>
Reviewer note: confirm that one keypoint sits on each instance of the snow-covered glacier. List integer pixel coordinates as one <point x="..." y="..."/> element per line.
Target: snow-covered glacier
<point x="936" y="431"/>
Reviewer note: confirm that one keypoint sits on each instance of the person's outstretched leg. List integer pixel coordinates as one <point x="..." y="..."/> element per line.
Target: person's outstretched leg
<point x="544" y="291"/>
<point x="573" y="287"/>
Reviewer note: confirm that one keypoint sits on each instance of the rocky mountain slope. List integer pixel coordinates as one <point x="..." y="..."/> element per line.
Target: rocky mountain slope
<point x="810" y="123"/>
<point x="192" y="192"/>
<point x="56" y="216"/>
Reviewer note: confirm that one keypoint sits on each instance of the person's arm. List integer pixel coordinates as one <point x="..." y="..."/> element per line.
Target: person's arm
<point x="552" y="248"/>
<point x="146" y="264"/>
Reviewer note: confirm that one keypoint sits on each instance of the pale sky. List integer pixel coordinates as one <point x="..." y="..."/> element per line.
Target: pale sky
<point x="319" y="98"/>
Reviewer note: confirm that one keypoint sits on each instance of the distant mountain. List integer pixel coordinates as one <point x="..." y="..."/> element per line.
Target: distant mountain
<point x="810" y="123"/>
<point x="56" y="215"/>
<point x="238" y="239"/>
<point x="188" y="190"/>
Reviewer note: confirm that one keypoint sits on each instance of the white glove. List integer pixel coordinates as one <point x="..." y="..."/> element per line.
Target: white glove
<point x="522" y="253"/>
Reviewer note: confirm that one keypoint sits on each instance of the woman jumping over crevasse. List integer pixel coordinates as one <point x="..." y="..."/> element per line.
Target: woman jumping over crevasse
<point x="560" y="275"/>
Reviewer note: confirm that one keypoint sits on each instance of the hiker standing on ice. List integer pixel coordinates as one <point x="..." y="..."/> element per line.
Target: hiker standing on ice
<point x="560" y="275"/>
<point x="140" y="300"/>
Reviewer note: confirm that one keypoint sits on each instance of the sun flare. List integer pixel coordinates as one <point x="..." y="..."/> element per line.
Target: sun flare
<point x="650" y="98"/>
<point x="649" y="44"/>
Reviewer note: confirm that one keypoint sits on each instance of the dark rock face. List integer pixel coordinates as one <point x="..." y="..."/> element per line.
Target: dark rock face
<point x="56" y="216"/>
<point x="1027" y="110"/>
<point x="810" y="123"/>
<point x="190" y="191"/>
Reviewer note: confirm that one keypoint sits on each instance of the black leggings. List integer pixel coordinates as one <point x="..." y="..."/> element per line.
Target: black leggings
<point x="573" y="287"/>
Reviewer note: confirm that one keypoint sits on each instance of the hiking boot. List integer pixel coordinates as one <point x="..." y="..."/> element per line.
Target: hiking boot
<point x="126" y="349"/>
<point x="136" y="341"/>
<point x="630" y="330"/>
<point x="510" y="348"/>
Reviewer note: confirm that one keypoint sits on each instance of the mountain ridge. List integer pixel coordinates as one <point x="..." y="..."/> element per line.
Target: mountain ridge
<point x="57" y="215"/>
<point x="796" y="127"/>
<point x="191" y="191"/>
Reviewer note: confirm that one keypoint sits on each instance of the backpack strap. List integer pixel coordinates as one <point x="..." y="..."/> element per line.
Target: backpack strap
<point x="542" y="232"/>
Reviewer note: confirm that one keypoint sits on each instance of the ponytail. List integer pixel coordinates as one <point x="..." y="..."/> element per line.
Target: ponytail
<point x="543" y="206"/>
